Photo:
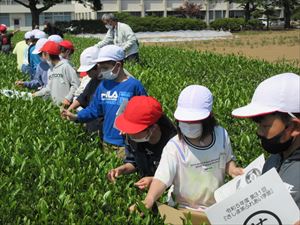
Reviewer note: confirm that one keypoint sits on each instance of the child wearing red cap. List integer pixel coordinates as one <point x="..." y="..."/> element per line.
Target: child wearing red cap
<point x="5" y="39"/>
<point x="62" y="78"/>
<point x="147" y="131"/>
<point x="66" y="49"/>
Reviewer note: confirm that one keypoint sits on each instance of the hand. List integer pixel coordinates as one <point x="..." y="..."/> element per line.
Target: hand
<point x="68" y="115"/>
<point x="148" y="203"/>
<point x="66" y="102"/>
<point x="297" y="222"/>
<point x="236" y="171"/>
<point x="144" y="183"/>
<point x="114" y="173"/>
<point x="19" y="83"/>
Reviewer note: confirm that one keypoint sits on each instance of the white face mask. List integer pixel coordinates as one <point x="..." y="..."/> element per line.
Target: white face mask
<point x="109" y="27"/>
<point x="109" y="75"/>
<point x="191" y="130"/>
<point x="144" y="139"/>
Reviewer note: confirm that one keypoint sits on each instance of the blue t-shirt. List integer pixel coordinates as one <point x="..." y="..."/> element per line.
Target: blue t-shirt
<point x="106" y="102"/>
<point x="34" y="60"/>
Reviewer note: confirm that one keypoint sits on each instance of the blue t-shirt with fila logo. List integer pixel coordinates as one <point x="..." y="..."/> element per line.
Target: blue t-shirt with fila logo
<point x="106" y="102"/>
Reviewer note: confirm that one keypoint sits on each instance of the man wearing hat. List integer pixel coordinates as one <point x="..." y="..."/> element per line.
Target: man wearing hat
<point x="147" y="131"/>
<point x="116" y="89"/>
<point x="275" y="107"/>
<point x="62" y="78"/>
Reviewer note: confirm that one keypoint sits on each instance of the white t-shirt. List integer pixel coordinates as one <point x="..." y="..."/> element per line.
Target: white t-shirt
<point x="195" y="172"/>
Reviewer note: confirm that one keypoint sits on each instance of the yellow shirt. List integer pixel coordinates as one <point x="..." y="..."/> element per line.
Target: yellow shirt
<point x="19" y="51"/>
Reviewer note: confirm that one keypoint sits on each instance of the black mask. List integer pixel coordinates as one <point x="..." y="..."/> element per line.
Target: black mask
<point x="273" y="145"/>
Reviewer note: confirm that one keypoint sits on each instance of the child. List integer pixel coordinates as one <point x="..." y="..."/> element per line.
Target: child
<point x="40" y="78"/>
<point x="114" y="91"/>
<point x="275" y="107"/>
<point x="62" y="78"/>
<point x="196" y="160"/>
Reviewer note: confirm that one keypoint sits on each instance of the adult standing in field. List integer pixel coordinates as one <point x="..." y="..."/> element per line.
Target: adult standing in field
<point x="116" y="89"/>
<point x="120" y="34"/>
<point x="20" y="49"/>
<point x="275" y="107"/>
<point x="147" y="132"/>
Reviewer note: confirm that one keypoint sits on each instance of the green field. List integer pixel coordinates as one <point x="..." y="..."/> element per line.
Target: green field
<point x="51" y="172"/>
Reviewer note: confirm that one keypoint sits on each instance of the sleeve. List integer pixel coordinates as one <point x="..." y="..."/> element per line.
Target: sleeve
<point x="83" y="83"/>
<point x="44" y="91"/>
<point x="15" y="49"/>
<point x="83" y="97"/>
<point x="129" y="156"/>
<point x="140" y="90"/>
<point x="130" y="37"/>
<point x="93" y="111"/>
<point x="166" y="169"/>
<point x="35" y="83"/>
<point x="73" y="80"/>
<point x="227" y="146"/>
<point x="108" y="39"/>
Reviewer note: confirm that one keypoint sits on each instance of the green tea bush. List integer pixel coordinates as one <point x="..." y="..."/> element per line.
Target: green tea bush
<point x="52" y="172"/>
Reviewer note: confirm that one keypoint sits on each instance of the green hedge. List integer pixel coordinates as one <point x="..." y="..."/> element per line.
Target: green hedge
<point x="138" y="24"/>
<point x="236" y="24"/>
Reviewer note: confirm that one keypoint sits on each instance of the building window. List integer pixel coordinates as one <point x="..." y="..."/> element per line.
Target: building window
<point x="4" y="18"/>
<point x="154" y="13"/>
<point x="218" y="14"/>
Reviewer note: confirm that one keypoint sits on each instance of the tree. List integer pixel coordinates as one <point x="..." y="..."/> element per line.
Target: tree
<point x="266" y="8"/>
<point x="288" y="7"/>
<point x="190" y="9"/>
<point x="46" y="4"/>
<point x="249" y="6"/>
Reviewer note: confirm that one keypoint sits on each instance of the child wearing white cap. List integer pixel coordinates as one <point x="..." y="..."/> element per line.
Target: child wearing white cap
<point x="196" y="160"/>
<point x="40" y="78"/>
<point x="115" y="90"/>
<point x="275" y="107"/>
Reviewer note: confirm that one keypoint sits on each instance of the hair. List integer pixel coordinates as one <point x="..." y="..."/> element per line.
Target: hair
<point x="54" y="57"/>
<point x="208" y="126"/>
<point x="285" y="117"/>
<point x="63" y="49"/>
<point x="109" y="16"/>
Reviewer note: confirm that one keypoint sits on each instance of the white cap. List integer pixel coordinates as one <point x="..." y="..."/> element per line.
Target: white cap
<point x="56" y="38"/>
<point x="110" y="53"/>
<point x="28" y="35"/>
<point x="39" y="44"/>
<point x="38" y="34"/>
<point x="194" y="103"/>
<point x="87" y="58"/>
<point x="280" y="93"/>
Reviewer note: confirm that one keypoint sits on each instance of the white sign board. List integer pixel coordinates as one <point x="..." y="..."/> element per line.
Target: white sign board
<point x="266" y="201"/>
<point x="251" y="172"/>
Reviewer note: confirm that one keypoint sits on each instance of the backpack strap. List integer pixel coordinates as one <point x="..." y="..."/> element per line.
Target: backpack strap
<point x="179" y="149"/>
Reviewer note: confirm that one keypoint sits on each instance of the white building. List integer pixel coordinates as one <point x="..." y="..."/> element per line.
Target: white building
<point x="17" y="16"/>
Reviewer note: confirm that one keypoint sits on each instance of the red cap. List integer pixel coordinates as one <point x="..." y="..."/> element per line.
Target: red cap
<point x="3" y="28"/>
<point x="51" y="47"/>
<point x="67" y="44"/>
<point x="83" y="74"/>
<point x="140" y="113"/>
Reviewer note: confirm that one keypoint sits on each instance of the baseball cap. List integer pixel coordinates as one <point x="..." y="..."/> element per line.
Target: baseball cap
<point x="140" y="113"/>
<point x="56" y="38"/>
<point x="280" y="93"/>
<point x="194" y="103"/>
<point x="38" y="34"/>
<point x="51" y="47"/>
<point x="67" y="44"/>
<point x="3" y="27"/>
<point x="38" y="46"/>
<point x="87" y="58"/>
<point x="28" y="35"/>
<point x="110" y="53"/>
